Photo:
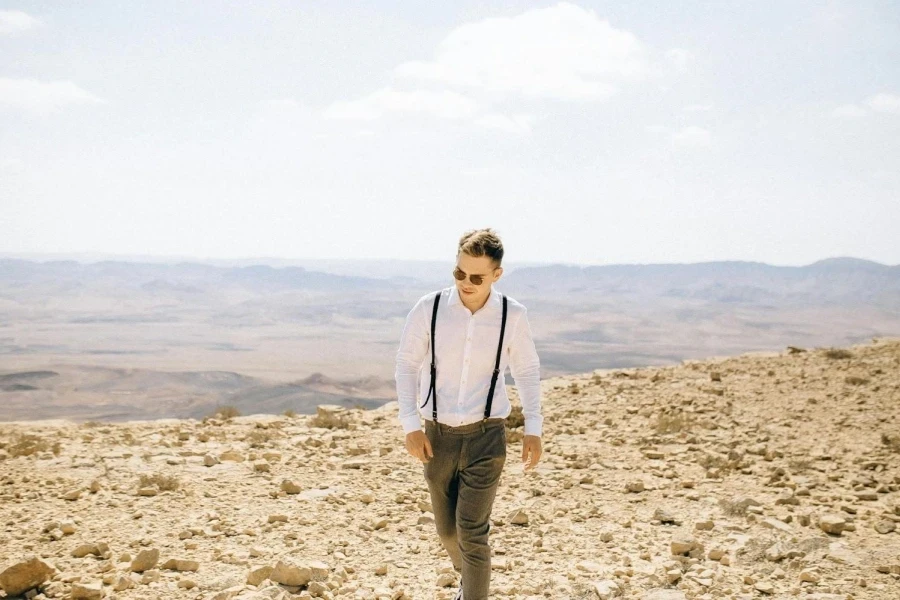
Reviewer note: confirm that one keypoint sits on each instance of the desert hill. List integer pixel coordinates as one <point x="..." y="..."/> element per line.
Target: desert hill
<point x="766" y="475"/>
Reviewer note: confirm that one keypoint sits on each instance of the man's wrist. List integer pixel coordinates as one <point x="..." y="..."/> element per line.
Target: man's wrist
<point x="411" y="424"/>
<point x="532" y="428"/>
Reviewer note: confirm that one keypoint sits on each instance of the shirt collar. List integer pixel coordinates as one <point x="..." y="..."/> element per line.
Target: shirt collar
<point x="492" y="301"/>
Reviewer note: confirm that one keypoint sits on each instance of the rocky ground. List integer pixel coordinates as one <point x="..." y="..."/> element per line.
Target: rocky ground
<point x="757" y="476"/>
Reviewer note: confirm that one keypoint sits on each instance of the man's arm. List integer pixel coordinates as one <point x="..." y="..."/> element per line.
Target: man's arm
<point x="413" y="347"/>
<point x="526" y="371"/>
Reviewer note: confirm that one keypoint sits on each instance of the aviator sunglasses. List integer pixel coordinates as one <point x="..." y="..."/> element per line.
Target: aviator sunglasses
<point x="461" y="276"/>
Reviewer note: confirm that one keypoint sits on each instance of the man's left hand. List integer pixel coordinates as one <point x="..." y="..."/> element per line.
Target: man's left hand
<point x="531" y="451"/>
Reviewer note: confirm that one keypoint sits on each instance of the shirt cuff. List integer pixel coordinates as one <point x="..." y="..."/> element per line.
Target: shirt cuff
<point x="533" y="427"/>
<point x="411" y="423"/>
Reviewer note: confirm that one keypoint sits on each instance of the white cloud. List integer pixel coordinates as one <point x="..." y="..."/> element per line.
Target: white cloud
<point x="848" y="111"/>
<point x="444" y="104"/>
<point x="692" y="137"/>
<point x="562" y="52"/>
<point x="679" y="58"/>
<point x="11" y="165"/>
<point x="518" y="124"/>
<point x="698" y="108"/>
<point x="14" y="21"/>
<point x="43" y="97"/>
<point x="887" y="103"/>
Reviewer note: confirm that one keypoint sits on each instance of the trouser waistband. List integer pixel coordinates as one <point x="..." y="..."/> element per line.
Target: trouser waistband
<point x="468" y="427"/>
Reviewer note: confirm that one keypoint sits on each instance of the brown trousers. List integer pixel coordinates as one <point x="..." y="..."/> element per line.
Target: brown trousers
<point x="463" y="476"/>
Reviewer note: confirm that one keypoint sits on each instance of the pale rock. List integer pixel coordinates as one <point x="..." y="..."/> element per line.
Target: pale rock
<point x="635" y="486"/>
<point x="446" y="580"/>
<point x="150" y="576"/>
<point x="67" y="527"/>
<point x="145" y="560"/>
<point x="885" y="526"/>
<point x="289" y="487"/>
<point x="100" y="549"/>
<point x="518" y="517"/>
<point x="178" y="564"/>
<point x="764" y="587"/>
<point x="319" y="571"/>
<point x="665" y="517"/>
<point x="122" y="583"/>
<point x="72" y="495"/>
<point x="682" y="543"/>
<point x="704" y="525"/>
<point x="810" y="575"/>
<point x="606" y="589"/>
<point x="87" y="591"/>
<point x="832" y="524"/>
<point x="288" y="573"/>
<point x="231" y="456"/>
<point x="258" y="575"/>
<point x="23" y="576"/>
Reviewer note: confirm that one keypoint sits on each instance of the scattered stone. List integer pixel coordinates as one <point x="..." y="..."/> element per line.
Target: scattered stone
<point x="87" y="591"/>
<point x="683" y="543"/>
<point x="177" y="564"/>
<point x="145" y="560"/>
<point x="635" y="487"/>
<point x="518" y="517"/>
<point x="23" y="576"/>
<point x="764" y="587"/>
<point x="665" y="517"/>
<point x="231" y="456"/>
<point x="832" y="524"/>
<point x="288" y="573"/>
<point x="289" y="487"/>
<point x="100" y="550"/>
<point x="885" y="526"/>
<point x="607" y="589"/>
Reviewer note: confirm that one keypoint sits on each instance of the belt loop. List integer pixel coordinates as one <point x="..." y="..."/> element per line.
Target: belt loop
<point x="482" y="426"/>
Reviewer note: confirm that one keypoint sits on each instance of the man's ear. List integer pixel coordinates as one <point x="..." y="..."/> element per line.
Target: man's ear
<point x="498" y="273"/>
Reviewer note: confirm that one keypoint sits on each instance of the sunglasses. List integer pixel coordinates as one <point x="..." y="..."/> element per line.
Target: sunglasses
<point x="461" y="276"/>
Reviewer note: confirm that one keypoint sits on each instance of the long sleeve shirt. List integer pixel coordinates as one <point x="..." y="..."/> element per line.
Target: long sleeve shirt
<point x="466" y="352"/>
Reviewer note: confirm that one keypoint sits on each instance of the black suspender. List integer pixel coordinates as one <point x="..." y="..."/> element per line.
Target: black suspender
<point x="432" y="388"/>
<point x="490" y="398"/>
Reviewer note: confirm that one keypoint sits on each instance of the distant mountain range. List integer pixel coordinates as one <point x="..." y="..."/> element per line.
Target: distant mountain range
<point x="842" y="279"/>
<point x="835" y="280"/>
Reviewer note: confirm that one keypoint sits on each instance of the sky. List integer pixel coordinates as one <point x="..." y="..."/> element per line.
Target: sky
<point x="584" y="132"/>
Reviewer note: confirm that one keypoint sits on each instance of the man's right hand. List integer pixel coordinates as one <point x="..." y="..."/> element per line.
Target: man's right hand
<point x="417" y="445"/>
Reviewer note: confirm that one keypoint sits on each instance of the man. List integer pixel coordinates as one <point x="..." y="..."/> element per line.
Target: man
<point x="464" y="400"/>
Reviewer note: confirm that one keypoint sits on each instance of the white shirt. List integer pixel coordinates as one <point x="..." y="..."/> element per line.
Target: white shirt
<point x="465" y="355"/>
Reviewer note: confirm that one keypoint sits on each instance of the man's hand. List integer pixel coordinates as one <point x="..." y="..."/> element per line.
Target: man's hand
<point x="417" y="444"/>
<point x="531" y="451"/>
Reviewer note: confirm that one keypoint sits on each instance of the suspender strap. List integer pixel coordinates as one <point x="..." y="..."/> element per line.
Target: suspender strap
<point x="490" y="398"/>
<point x="432" y="389"/>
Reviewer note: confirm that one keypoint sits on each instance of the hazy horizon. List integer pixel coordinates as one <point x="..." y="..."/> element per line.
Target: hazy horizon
<point x="87" y="258"/>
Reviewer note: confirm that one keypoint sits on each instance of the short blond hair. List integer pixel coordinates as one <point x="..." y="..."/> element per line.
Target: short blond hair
<point x="482" y="242"/>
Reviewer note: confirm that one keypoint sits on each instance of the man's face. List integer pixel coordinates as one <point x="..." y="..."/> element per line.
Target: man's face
<point x="476" y="265"/>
